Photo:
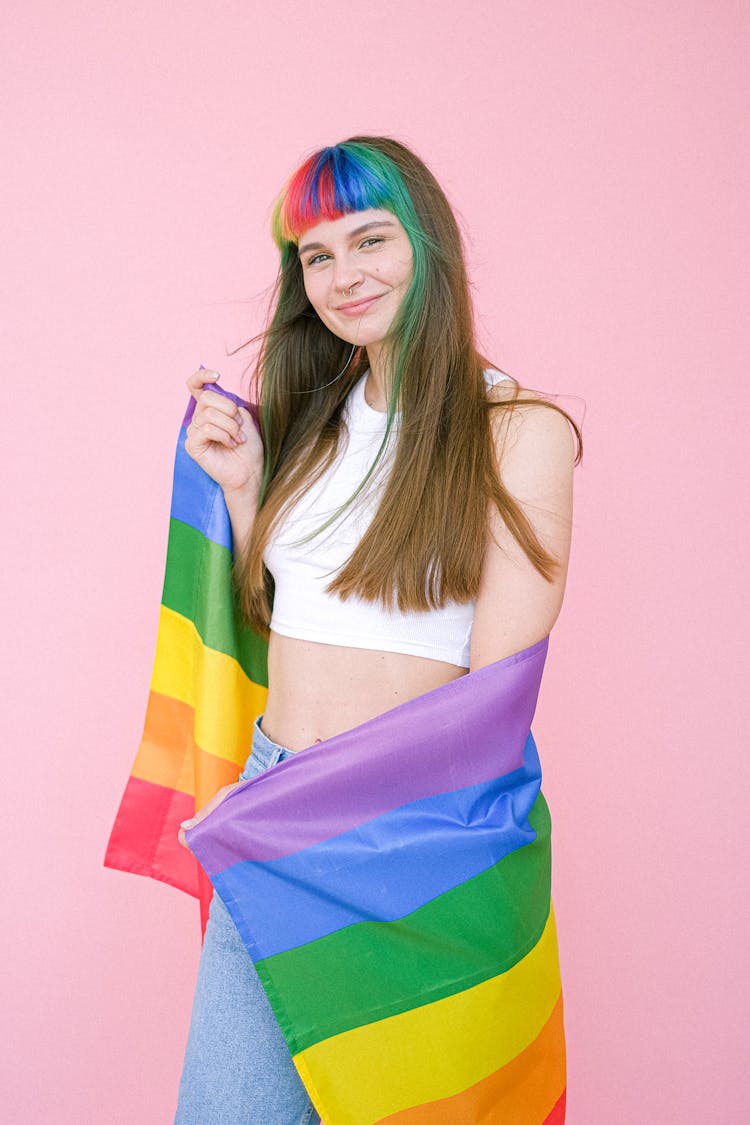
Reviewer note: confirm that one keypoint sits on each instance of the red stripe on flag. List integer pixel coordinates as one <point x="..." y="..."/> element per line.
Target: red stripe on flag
<point x="144" y="838"/>
<point x="557" y="1116"/>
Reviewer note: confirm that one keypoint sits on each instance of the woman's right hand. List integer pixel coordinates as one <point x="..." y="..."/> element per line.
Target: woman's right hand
<point x="222" y="437"/>
<point x="209" y="807"/>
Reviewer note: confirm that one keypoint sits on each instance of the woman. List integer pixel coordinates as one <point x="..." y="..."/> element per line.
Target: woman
<point x="405" y="520"/>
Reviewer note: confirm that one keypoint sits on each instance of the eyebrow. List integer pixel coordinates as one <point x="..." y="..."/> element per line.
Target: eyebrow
<point x="352" y="234"/>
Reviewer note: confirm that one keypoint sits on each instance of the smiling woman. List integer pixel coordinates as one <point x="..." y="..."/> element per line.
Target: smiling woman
<point x="381" y="941"/>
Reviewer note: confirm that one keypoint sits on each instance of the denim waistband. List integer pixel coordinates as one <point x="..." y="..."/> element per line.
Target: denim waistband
<point x="265" y="751"/>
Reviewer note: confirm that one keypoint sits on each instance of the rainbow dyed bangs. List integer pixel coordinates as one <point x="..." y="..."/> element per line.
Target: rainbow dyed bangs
<point x="335" y="181"/>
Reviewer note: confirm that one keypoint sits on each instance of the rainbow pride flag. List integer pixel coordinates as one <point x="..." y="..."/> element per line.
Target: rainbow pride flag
<point x="391" y="884"/>
<point x="209" y="684"/>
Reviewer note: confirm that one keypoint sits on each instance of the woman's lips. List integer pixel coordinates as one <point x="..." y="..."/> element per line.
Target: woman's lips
<point x="359" y="307"/>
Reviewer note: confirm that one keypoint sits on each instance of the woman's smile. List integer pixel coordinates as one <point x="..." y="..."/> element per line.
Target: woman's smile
<point x="356" y="308"/>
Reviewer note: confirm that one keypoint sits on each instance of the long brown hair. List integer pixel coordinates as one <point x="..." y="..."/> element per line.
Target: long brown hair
<point x="427" y="539"/>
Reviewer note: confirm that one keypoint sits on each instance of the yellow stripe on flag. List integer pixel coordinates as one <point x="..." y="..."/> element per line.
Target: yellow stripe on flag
<point x="226" y="702"/>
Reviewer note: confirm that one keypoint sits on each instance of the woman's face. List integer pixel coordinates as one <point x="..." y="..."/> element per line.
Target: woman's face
<point x="356" y="271"/>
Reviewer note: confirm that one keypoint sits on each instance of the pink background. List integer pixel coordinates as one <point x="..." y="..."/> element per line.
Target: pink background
<point x="596" y="152"/>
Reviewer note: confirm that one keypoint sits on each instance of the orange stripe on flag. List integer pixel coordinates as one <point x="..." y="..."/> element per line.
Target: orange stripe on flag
<point x="523" y="1092"/>
<point x="169" y="756"/>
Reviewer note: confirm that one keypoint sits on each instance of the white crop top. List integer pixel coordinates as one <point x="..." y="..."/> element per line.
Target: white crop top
<point x="301" y="571"/>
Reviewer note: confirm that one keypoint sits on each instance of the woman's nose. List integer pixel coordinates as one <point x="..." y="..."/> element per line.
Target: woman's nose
<point x="346" y="276"/>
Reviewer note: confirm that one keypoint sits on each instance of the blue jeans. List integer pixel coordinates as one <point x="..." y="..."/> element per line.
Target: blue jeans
<point x="238" y="1069"/>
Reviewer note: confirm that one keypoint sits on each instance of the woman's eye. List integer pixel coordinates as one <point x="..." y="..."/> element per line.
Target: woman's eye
<point x="374" y="238"/>
<point x="314" y="261"/>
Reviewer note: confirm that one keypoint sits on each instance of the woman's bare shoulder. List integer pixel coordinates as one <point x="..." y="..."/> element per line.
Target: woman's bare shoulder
<point x="535" y="425"/>
<point x="502" y="387"/>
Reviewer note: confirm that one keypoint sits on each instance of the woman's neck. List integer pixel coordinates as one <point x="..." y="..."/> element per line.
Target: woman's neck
<point x="378" y="383"/>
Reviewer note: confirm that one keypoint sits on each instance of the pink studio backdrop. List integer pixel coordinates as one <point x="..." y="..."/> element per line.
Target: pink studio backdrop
<point x="596" y="154"/>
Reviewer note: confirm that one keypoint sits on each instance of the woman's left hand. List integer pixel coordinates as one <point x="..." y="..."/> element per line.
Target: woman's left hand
<point x="209" y="807"/>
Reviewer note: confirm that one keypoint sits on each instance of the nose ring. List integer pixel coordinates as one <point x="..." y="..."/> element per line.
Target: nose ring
<point x="348" y="292"/>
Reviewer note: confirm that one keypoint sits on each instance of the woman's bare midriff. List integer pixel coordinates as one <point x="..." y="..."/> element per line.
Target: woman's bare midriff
<point x="319" y="690"/>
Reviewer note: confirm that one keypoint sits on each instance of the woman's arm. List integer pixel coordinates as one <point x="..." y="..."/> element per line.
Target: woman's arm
<point x="516" y="606"/>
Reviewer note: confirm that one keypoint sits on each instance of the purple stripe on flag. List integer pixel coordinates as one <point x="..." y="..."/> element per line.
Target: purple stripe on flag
<point x="190" y="410"/>
<point x="463" y="733"/>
